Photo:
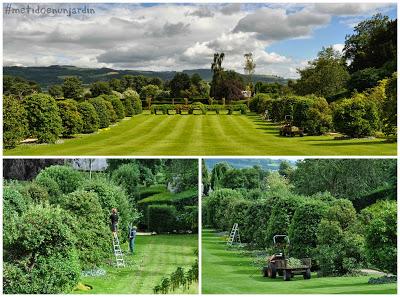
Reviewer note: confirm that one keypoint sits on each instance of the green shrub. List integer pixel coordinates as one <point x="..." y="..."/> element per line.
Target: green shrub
<point x="161" y="218"/>
<point x="102" y="111"/>
<point x="15" y="125"/>
<point x="99" y="88"/>
<point x="198" y="106"/>
<point x="187" y="219"/>
<point x="13" y="200"/>
<point x="380" y="225"/>
<point x="356" y="117"/>
<point x="35" y="192"/>
<point x="67" y="178"/>
<point x="303" y="228"/>
<point x="127" y="176"/>
<point x="50" y="185"/>
<point x="111" y="112"/>
<point x="43" y="117"/>
<point x="89" y="116"/>
<point x="132" y="97"/>
<point x="92" y="233"/>
<point x="238" y="107"/>
<point x="117" y="106"/>
<point x="71" y="118"/>
<point x="46" y="233"/>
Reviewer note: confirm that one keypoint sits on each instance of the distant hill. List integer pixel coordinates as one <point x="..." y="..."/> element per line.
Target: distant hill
<point x="266" y="164"/>
<point x="50" y="75"/>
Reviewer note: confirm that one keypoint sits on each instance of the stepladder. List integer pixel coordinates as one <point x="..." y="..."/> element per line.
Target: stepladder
<point x="234" y="236"/>
<point x="119" y="256"/>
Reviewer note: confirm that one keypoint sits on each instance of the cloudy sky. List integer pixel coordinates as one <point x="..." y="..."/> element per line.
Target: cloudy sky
<point x="282" y="37"/>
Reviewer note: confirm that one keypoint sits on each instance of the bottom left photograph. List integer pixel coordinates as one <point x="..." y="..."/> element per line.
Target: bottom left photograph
<point x="100" y="226"/>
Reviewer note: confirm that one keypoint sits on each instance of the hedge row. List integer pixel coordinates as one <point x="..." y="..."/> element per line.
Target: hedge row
<point x="178" y="108"/>
<point x="163" y="218"/>
<point x="41" y="116"/>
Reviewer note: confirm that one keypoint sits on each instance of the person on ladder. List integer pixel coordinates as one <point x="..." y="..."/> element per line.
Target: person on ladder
<point x="132" y="236"/>
<point x="114" y="221"/>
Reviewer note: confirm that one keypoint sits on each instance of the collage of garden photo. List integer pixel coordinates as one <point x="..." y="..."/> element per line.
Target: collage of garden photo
<point x="199" y="148"/>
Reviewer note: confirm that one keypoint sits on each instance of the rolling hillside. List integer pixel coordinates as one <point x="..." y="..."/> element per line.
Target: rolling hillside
<point x="47" y="76"/>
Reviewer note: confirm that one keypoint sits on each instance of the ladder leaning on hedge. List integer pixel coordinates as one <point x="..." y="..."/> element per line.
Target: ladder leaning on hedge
<point x="234" y="236"/>
<point x="119" y="256"/>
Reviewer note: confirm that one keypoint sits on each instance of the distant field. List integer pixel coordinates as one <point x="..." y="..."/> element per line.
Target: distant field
<point x="204" y="135"/>
<point x="229" y="272"/>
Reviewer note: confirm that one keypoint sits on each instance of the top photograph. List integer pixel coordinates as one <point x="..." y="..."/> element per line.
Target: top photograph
<point x="211" y="79"/>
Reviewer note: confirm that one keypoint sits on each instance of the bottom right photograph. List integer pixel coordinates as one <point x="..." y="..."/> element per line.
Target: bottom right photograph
<point x="304" y="226"/>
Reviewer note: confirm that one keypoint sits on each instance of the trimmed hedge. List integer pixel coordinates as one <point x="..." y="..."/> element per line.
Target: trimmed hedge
<point x="102" y="111"/>
<point x="161" y="218"/>
<point x="67" y="178"/>
<point x="117" y="105"/>
<point x="71" y="118"/>
<point x="111" y="112"/>
<point x="15" y="125"/>
<point x="43" y="117"/>
<point x="132" y="100"/>
<point x="89" y="116"/>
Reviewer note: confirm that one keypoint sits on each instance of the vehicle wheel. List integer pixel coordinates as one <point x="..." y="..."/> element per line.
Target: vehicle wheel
<point x="265" y="271"/>
<point x="307" y="274"/>
<point x="287" y="275"/>
<point x="271" y="270"/>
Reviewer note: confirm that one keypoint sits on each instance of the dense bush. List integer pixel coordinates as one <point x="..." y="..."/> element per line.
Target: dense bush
<point x="15" y="126"/>
<point x="50" y="185"/>
<point x="43" y="117"/>
<point x="303" y="228"/>
<point x="161" y="218"/>
<point x="132" y="98"/>
<point x="67" y="178"/>
<point x="91" y="231"/>
<point x="89" y="116"/>
<point x="99" y="88"/>
<point x="42" y="258"/>
<point x="35" y="192"/>
<point x="71" y="118"/>
<point x="111" y="112"/>
<point x="117" y="106"/>
<point x="380" y="224"/>
<point x="13" y="200"/>
<point x="340" y="248"/>
<point x="237" y="107"/>
<point x="356" y="117"/>
<point x="102" y="111"/>
<point x="127" y="176"/>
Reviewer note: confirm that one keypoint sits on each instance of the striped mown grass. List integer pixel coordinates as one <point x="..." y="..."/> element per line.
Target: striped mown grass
<point x="202" y="135"/>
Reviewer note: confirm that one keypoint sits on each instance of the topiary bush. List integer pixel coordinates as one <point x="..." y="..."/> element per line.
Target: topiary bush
<point x="91" y="230"/>
<point x="42" y="259"/>
<point x="117" y="106"/>
<point x="67" y="178"/>
<point x="161" y="218"/>
<point x="111" y="112"/>
<point x="356" y="117"/>
<point x="15" y="125"/>
<point x="43" y="117"/>
<point x="35" y="192"/>
<point x="132" y="98"/>
<point x="71" y="118"/>
<point x="89" y="116"/>
<point x="102" y="111"/>
<point x="50" y="185"/>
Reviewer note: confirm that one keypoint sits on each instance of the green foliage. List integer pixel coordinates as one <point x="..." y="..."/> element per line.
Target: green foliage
<point x="91" y="232"/>
<point x="67" y="178"/>
<point x="35" y="192"/>
<point x="43" y="117"/>
<point x="51" y="186"/>
<point x="132" y="102"/>
<point x="303" y="228"/>
<point x="15" y="126"/>
<point x="380" y="228"/>
<point x="72" y="88"/>
<point x="356" y="117"/>
<point x="161" y="218"/>
<point x="56" y="91"/>
<point x="127" y="176"/>
<point x="71" y="118"/>
<point x="103" y="113"/>
<point x="111" y="112"/>
<point x="13" y="201"/>
<point x="389" y="112"/>
<point x="325" y="76"/>
<point x="340" y="248"/>
<point x="19" y="87"/>
<point x="117" y="106"/>
<point x="89" y="116"/>
<point x="100" y="88"/>
<point x="179" y="84"/>
<point x="238" y="107"/>
<point x="42" y="258"/>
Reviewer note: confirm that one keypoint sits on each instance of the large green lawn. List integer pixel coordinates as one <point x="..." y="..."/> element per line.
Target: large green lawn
<point x="203" y="135"/>
<point x="155" y="257"/>
<point x="230" y="272"/>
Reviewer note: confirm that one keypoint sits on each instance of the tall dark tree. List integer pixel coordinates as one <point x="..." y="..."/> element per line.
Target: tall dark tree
<point x="179" y="83"/>
<point x="72" y="88"/>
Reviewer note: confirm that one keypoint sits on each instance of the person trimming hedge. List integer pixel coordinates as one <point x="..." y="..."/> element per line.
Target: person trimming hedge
<point x="114" y="221"/>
